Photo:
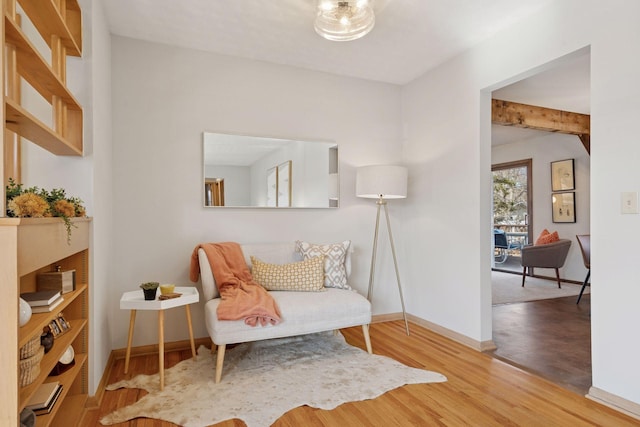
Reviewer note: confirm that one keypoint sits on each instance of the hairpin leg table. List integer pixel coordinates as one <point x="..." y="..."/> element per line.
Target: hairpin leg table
<point x="134" y="301"/>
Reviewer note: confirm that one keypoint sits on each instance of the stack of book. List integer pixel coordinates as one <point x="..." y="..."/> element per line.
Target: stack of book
<point x="45" y="398"/>
<point x="42" y="301"/>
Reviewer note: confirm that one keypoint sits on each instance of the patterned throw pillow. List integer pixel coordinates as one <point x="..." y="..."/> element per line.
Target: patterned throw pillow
<point x="335" y="272"/>
<point x="305" y="276"/>
<point x="546" y="237"/>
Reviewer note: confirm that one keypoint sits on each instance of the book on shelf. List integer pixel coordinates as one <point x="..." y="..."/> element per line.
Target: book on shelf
<point x="43" y="395"/>
<point x="40" y="298"/>
<point x="47" y="409"/>
<point x="47" y="308"/>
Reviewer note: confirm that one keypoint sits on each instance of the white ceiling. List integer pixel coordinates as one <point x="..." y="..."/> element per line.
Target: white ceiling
<point x="409" y="38"/>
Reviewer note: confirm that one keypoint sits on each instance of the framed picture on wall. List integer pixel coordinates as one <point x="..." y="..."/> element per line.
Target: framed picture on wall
<point x="284" y="184"/>
<point x="272" y="187"/>
<point x="563" y="207"/>
<point x="562" y="177"/>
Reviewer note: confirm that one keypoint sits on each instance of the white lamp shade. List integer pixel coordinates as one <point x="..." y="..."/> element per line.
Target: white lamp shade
<point x="386" y="181"/>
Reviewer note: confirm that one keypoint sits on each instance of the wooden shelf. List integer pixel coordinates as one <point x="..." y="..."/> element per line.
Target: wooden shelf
<point x="27" y="125"/>
<point x="50" y="22"/>
<point x="50" y="236"/>
<point x="69" y="412"/>
<point x="34" y="245"/>
<point x="50" y="360"/>
<point x="39" y="320"/>
<point x="71" y="403"/>
<point x="35" y="69"/>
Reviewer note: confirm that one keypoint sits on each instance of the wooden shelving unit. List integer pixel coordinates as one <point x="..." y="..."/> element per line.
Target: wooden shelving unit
<point x="30" y="246"/>
<point x="40" y="244"/>
<point x="60" y="25"/>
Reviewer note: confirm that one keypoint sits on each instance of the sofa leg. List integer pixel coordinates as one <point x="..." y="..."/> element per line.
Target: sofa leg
<point x="220" y="361"/>
<point x="367" y="338"/>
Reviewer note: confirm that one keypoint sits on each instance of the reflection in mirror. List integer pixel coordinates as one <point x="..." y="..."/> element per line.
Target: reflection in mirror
<point x="249" y="171"/>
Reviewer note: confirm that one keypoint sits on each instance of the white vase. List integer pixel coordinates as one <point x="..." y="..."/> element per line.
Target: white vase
<point x="25" y="312"/>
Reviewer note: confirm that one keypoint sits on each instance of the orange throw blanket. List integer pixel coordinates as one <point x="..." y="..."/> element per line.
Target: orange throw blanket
<point x="241" y="297"/>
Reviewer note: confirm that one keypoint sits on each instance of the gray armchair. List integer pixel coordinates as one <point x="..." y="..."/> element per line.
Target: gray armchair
<point x="551" y="255"/>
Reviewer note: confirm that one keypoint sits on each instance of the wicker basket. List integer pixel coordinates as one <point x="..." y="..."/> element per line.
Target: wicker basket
<point x="30" y="348"/>
<point x="30" y="367"/>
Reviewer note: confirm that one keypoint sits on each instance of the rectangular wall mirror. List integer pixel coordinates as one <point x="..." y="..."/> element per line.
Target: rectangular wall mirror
<point x="250" y="171"/>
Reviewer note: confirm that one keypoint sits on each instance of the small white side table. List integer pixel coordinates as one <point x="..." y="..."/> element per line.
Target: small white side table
<point x="134" y="301"/>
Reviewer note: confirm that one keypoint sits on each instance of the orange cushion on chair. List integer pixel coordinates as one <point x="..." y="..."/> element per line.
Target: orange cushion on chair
<point x="546" y="237"/>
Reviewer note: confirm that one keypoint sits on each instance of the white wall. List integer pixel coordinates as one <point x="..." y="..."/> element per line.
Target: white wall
<point x="543" y="150"/>
<point x="163" y="99"/>
<point x="237" y="183"/>
<point x="447" y="145"/>
<point x="97" y="111"/>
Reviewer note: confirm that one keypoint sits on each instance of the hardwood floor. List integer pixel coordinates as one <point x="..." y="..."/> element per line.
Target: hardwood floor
<point x="551" y="338"/>
<point x="480" y="391"/>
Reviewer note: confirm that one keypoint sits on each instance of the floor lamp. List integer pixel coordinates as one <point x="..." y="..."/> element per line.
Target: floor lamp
<point x="383" y="182"/>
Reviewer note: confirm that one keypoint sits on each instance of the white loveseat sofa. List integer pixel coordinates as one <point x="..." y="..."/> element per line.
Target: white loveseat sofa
<point x="301" y="312"/>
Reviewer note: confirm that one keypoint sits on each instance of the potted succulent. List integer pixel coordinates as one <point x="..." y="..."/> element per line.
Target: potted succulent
<point x="150" y="289"/>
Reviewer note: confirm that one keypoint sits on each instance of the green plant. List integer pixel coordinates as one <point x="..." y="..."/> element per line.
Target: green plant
<point x="37" y="202"/>
<point x="150" y="285"/>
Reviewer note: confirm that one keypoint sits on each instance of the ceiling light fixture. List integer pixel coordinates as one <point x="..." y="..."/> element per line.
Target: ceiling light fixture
<point x="344" y="20"/>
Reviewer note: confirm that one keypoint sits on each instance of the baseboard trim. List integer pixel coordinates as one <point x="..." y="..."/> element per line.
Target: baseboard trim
<point x="379" y="318"/>
<point x="142" y="350"/>
<point x="120" y="353"/>
<point x="538" y="276"/>
<point x="440" y="330"/>
<point x="614" y="402"/>
<point x="95" y="401"/>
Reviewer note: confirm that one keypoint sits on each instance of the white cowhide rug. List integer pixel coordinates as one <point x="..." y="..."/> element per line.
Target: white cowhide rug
<point x="264" y="379"/>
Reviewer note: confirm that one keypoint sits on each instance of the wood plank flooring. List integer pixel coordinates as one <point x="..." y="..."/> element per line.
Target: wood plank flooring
<point x="480" y="391"/>
<point x="551" y="338"/>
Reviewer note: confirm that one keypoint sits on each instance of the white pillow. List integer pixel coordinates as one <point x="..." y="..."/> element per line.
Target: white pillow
<point x="335" y="272"/>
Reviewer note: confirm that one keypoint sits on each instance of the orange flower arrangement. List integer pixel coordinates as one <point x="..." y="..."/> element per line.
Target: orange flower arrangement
<point x="34" y="202"/>
<point x="29" y="205"/>
<point x="64" y="208"/>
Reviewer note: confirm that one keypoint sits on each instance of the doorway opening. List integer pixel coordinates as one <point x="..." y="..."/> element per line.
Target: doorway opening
<point x="512" y="213"/>
<point x="524" y="330"/>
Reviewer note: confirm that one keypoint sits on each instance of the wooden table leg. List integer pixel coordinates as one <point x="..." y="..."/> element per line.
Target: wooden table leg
<point x="161" y="346"/>
<point x="132" y="322"/>
<point x="193" y="344"/>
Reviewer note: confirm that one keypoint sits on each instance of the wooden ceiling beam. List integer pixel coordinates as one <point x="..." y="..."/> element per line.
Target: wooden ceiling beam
<point x="586" y="141"/>
<point x="508" y="113"/>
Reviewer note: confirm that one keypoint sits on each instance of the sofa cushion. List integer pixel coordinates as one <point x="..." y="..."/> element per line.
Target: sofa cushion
<point x="335" y="273"/>
<point x="305" y="276"/>
<point x="301" y="313"/>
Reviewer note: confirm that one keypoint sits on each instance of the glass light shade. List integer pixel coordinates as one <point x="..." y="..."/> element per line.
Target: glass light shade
<point x="386" y="181"/>
<point x="344" y="20"/>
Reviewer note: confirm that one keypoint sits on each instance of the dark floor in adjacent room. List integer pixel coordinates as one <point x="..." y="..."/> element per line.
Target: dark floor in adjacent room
<point x="551" y="338"/>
